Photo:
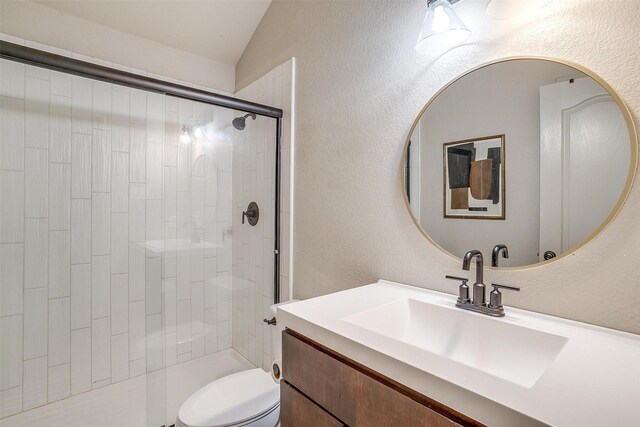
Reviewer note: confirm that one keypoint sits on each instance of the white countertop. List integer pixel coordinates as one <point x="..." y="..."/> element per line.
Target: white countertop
<point x="593" y="381"/>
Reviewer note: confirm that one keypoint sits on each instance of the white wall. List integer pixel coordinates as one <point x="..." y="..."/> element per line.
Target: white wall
<point x="42" y="24"/>
<point x="502" y="99"/>
<point x="360" y="86"/>
<point x="254" y="174"/>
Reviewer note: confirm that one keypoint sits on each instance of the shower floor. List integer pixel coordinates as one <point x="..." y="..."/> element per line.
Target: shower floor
<point x="149" y="400"/>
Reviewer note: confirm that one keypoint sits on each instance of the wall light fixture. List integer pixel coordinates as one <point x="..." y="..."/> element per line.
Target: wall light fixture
<point x="441" y="26"/>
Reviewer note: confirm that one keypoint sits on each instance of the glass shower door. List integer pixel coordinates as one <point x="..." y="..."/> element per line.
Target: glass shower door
<point x="127" y="277"/>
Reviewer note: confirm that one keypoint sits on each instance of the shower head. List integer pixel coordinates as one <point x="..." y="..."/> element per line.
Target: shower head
<point x="240" y="122"/>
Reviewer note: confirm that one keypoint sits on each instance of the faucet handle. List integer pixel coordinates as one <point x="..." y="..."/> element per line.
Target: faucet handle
<point x="495" y="297"/>
<point x="463" y="289"/>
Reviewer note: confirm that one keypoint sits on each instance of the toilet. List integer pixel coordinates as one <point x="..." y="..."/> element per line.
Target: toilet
<point x="246" y="398"/>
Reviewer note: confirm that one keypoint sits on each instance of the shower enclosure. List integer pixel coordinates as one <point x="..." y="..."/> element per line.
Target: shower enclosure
<point x="123" y="251"/>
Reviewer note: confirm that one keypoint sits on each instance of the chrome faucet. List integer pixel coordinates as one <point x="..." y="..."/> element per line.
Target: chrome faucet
<point x="478" y="304"/>
<point x="478" y="286"/>
<point x="495" y="254"/>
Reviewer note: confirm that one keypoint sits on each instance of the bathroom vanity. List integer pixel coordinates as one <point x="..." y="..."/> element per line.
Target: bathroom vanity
<point x="391" y="354"/>
<point x="339" y="391"/>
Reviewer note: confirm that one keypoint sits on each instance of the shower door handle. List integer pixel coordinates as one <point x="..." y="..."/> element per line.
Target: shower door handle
<point x="252" y="214"/>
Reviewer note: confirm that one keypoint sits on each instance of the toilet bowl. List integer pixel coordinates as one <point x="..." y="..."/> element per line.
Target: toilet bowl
<point x="246" y="398"/>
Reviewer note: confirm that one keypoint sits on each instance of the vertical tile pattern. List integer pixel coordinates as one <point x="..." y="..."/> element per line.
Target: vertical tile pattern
<point x="11" y="256"/>
<point x="11" y="350"/>
<point x="115" y="237"/>
<point x="80" y="360"/>
<point x="81" y="166"/>
<point x="36" y="107"/>
<point x="101" y="161"/>
<point x="59" y="331"/>
<point x="59" y="382"/>
<point x="36" y="253"/>
<point x="100" y="287"/>
<point x="59" y="196"/>
<point x="80" y="296"/>
<point x="36" y="178"/>
<point x="100" y="350"/>
<point x="59" y="264"/>
<point x="11" y="133"/>
<point x="12" y="206"/>
<point x="60" y="129"/>
<point x="80" y="231"/>
<point x="36" y="318"/>
<point x="100" y="224"/>
<point x="119" y="304"/>
<point x="35" y="383"/>
<point x="119" y="243"/>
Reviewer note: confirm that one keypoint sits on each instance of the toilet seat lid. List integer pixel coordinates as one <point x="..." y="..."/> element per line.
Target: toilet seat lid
<point x="231" y="400"/>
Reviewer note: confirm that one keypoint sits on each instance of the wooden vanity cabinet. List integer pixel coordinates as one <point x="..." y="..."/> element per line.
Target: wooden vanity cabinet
<point x="324" y="388"/>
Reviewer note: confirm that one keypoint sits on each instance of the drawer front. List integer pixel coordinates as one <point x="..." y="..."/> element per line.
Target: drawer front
<point x="354" y="393"/>
<point x="324" y="379"/>
<point x="381" y="406"/>
<point x="296" y="410"/>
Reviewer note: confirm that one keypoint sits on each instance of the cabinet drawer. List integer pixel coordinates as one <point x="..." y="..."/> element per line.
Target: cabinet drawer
<point x="323" y="378"/>
<point x="296" y="410"/>
<point x="355" y="394"/>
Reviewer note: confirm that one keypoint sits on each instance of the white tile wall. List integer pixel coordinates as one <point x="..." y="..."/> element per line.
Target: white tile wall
<point x="81" y="166"/>
<point x="59" y="264"/>
<point x="12" y="206"/>
<point x="59" y="331"/>
<point x="120" y="305"/>
<point x="80" y="231"/>
<point x="35" y="383"/>
<point x="59" y="196"/>
<point x="80" y="296"/>
<point x="115" y="238"/>
<point x="80" y="360"/>
<point x="100" y="223"/>
<point x="36" y="197"/>
<point x="36" y="318"/>
<point x="11" y="350"/>
<point x="252" y="254"/>
<point x="100" y="350"/>
<point x="11" y="133"/>
<point x="59" y="129"/>
<point x="59" y="382"/>
<point x="100" y="287"/>
<point x="11" y="274"/>
<point x="36" y="251"/>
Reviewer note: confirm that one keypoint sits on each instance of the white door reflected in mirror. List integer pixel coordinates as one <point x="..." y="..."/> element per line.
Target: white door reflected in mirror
<point x="565" y="166"/>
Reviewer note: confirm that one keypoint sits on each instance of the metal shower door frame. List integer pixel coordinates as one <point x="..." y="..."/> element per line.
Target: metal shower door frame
<point x="51" y="61"/>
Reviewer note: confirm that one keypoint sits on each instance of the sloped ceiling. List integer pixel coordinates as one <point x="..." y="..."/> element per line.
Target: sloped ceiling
<point x="214" y="29"/>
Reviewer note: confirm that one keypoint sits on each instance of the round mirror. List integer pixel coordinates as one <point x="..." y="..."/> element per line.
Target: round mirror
<point x="525" y="159"/>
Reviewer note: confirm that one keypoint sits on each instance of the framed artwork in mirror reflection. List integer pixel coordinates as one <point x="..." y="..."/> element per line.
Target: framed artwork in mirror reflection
<point x="474" y="178"/>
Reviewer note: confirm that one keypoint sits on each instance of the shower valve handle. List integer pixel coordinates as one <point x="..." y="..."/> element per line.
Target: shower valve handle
<point x="252" y="213"/>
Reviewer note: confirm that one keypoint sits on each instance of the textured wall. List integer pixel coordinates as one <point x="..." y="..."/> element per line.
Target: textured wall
<point x="360" y="86"/>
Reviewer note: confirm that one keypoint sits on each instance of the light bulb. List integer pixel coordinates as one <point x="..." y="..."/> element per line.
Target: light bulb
<point x="184" y="138"/>
<point x="441" y="20"/>
<point x="441" y="29"/>
<point x="198" y="132"/>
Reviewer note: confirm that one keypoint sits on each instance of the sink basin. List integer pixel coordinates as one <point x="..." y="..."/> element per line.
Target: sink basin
<point x="514" y="353"/>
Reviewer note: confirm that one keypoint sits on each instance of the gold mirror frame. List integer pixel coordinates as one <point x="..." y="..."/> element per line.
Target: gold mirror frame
<point x="633" y="139"/>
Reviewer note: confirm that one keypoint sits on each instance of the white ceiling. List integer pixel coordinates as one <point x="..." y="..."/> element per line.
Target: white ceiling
<point x="214" y="29"/>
